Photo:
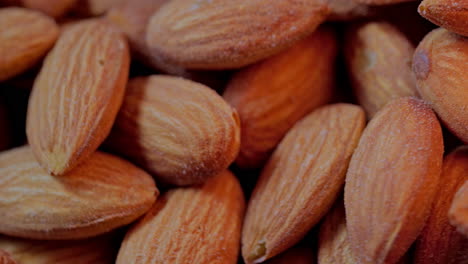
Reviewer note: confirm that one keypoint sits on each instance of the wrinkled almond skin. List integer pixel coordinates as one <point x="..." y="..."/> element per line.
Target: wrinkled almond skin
<point x="199" y="224"/>
<point x="283" y="208"/>
<point x="392" y="181"/>
<point x="295" y="255"/>
<point x="450" y="14"/>
<point x="378" y="57"/>
<point x="270" y="98"/>
<point x="440" y="64"/>
<point x="458" y="213"/>
<point x="180" y="131"/>
<point x="25" y="37"/>
<point x="77" y="95"/>
<point x="439" y="242"/>
<point x="230" y="33"/>
<point x="103" y="193"/>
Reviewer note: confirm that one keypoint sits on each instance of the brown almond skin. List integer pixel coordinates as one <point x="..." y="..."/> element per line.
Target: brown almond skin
<point x="199" y="224"/>
<point x="283" y="208"/>
<point x="440" y="64"/>
<point x="270" y="98"/>
<point x="450" y="14"/>
<point x="77" y="95"/>
<point x="458" y="214"/>
<point x="103" y="193"/>
<point x="25" y="37"/>
<point x="229" y="34"/>
<point x="378" y="57"/>
<point x="392" y="181"/>
<point x="295" y="255"/>
<point x="439" y="242"/>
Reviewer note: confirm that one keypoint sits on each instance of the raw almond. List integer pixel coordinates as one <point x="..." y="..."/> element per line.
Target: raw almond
<point x="300" y="181"/>
<point x="379" y="63"/>
<point x="25" y="37"/>
<point x="199" y="224"/>
<point x="179" y="130"/>
<point x="77" y="95"/>
<point x="440" y="64"/>
<point x="103" y="193"/>
<point x="392" y="181"/>
<point x="230" y="33"/>
<point x="295" y="255"/>
<point x="439" y="242"/>
<point x="5" y="258"/>
<point x="458" y="213"/>
<point x="450" y="14"/>
<point x="271" y="97"/>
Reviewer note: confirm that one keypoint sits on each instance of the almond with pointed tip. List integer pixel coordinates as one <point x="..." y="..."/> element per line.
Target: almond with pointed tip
<point x="450" y="14"/>
<point x="458" y="213"/>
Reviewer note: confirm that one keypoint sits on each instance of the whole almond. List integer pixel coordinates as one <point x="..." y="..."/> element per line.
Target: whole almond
<point x="392" y="181"/>
<point x="379" y="63"/>
<point x="178" y="130"/>
<point x="53" y="8"/>
<point x="5" y="258"/>
<point x="450" y="14"/>
<point x="77" y="95"/>
<point x="439" y="242"/>
<point x="199" y="224"/>
<point x="458" y="213"/>
<point x="300" y="181"/>
<point x="271" y="97"/>
<point x="295" y="255"/>
<point x="440" y="64"/>
<point x="103" y="193"/>
<point x="230" y="33"/>
<point x="25" y="37"/>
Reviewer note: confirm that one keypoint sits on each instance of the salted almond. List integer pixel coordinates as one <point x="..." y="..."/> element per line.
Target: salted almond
<point x="439" y="242"/>
<point x="295" y="255"/>
<point x="103" y="193"/>
<point x="450" y="14"/>
<point x="178" y="130"/>
<point x="300" y="181"/>
<point x="440" y="64"/>
<point x="230" y="33"/>
<point x="458" y="213"/>
<point x="392" y="181"/>
<point x="382" y="2"/>
<point x="379" y="63"/>
<point x="5" y="258"/>
<point x="77" y="95"/>
<point x="53" y="8"/>
<point x="25" y="37"/>
<point x="271" y="97"/>
<point x="198" y="224"/>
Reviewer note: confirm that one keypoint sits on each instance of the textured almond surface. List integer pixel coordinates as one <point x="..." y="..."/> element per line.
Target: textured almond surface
<point x="301" y="180"/>
<point x="379" y="64"/>
<point x="271" y="97"/>
<point x="439" y="242"/>
<point x="295" y="255"/>
<point x="189" y="225"/>
<point x="458" y="213"/>
<point x="53" y="8"/>
<point x="101" y="194"/>
<point x="77" y="95"/>
<point x="230" y="33"/>
<point x="450" y="14"/>
<point x="25" y="37"/>
<point x="440" y="64"/>
<point x="179" y="130"/>
<point x="392" y="181"/>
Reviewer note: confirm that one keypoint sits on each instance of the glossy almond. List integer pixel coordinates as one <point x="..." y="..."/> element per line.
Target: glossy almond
<point x="450" y="14"/>
<point x="458" y="213"/>
<point x="77" y="95"/>
<point x="230" y="33"/>
<point x="295" y="255"/>
<point x="272" y="95"/>
<point x="25" y="37"/>
<point x="300" y="181"/>
<point x="440" y="64"/>
<point x="199" y="224"/>
<point x="378" y="57"/>
<point x="101" y="194"/>
<point x="180" y="131"/>
<point x="392" y="181"/>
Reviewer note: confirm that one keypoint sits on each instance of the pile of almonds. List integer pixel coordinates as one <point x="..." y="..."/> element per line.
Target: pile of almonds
<point x="234" y="131"/>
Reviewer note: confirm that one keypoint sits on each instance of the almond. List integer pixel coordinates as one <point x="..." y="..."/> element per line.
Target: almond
<point x="230" y="33"/>
<point x="271" y="97"/>
<point x="458" y="214"/>
<point x="199" y="224"/>
<point x="101" y="194"/>
<point x="439" y="242"/>
<point x="53" y="8"/>
<point x="392" y="180"/>
<point x="300" y="181"/>
<point x="450" y="14"/>
<point x="5" y="258"/>
<point x="25" y="37"/>
<point x="77" y="95"/>
<point x="295" y="255"/>
<point x="440" y="64"/>
<point x="379" y="63"/>
<point x="179" y="130"/>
